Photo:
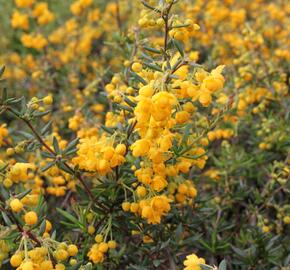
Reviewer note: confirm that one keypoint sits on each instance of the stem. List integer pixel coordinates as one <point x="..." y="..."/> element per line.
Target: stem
<point x="165" y="17"/>
<point x="25" y="248"/>
<point x="130" y="189"/>
<point x="118" y="17"/>
<point x="108" y="229"/>
<point x="38" y="136"/>
<point x="166" y="34"/>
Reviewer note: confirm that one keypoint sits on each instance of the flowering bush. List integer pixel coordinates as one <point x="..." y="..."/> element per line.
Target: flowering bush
<point x="144" y="135"/>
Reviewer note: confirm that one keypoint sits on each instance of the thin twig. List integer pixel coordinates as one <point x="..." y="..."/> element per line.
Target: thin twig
<point x="165" y="17"/>
<point x="118" y="16"/>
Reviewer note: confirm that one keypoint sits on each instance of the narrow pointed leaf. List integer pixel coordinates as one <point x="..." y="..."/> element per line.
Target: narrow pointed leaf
<point x="47" y="166"/>
<point x="46" y="128"/>
<point x="23" y="194"/>
<point x="223" y="265"/>
<point x="56" y="145"/>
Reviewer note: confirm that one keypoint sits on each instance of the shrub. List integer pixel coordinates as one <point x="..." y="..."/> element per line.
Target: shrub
<point x="144" y="135"/>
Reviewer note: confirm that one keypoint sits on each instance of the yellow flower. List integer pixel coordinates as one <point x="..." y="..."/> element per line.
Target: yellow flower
<point x="35" y="41"/>
<point x="205" y="98"/>
<point x="24" y="3"/>
<point x="182" y="117"/>
<point x="158" y="183"/>
<point x="137" y="67"/>
<point x="20" y="20"/>
<point x="154" y="208"/>
<point x="19" y="172"/>
<point x="45" y="18"/>
<point x="140" y="147"/>
<point x="39" y="9"/>
<point x="95" y="255"/>
<point x="192" y="262"/>
<point x="30" y="218"/>
<point x="286" y="219"/>
<point x="16" y="260"/>
<point x="215" y="81"/>
<point x="16" y="205"/>
<point x="72" y="250"/>
<point x="3" y="133"/>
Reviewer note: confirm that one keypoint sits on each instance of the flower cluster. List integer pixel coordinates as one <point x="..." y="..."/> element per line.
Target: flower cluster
<point x="98" y="155"/>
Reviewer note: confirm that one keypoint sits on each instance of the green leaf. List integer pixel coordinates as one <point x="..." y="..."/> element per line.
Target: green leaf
<point x="2" y="69"/>
<point x="47" y="166"/>
<point x="47" y="155"/>
<point x="56" y="145"/>
<point x="150" y="49"/>
<point x="70" y="217"/>
<point x="17" y="112"/>
<point x="173" y="76"/>
<point x="194" y="157"/>
<point x="3" y="167"/>
<point x="23" y="106"/>
<point x="72" y="144"/>
<point x="46" y="128"/>
<point x="181" y="26"/>
<point x="23" y="194"/>
<point x="147" y="57"/>
<point x="153" y="66"/>
<point x="179" y="231"/>
<point x="107" y="129"/>
<point x="4" y="193"/>
<point x="165" y="244"/>
<point x="178" y="45"/>
<point x="82" y="193"/>
<point x="69" y="225"/>
<point x="88" y="266"/>
<point x="39" y="203"/>
<point x="186" y="133"/>
<point x="138" y="78"/>
<point x="223" y="265"/>
<point x="156" y="263"/>
<point x="272" y="242"/>
<point x="40" y="114"/>
<point x="4" y="94"/>
<point x="6" y="219"/>
<point x="25" y="135"/>
<point x="129" y="102"/>
<point x="239" y="252"/>
<point x="206" y="245"/>
<point x="13" y="100"/>
<point x="53" y="235"/>
<point x="42" y="227"/>
<point x="150" y="7"/>
<point x="205" y="267"/>
<point x="138" y="267"/>
<point x="287" y="260"/>
<point x="123" y="107"/>
<point x="192" y="64"/>
<point x="11" y="236"/>
<point x="71" y="152"/>
<point x="191" y="240"/>
<point x="65" y="168"/>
